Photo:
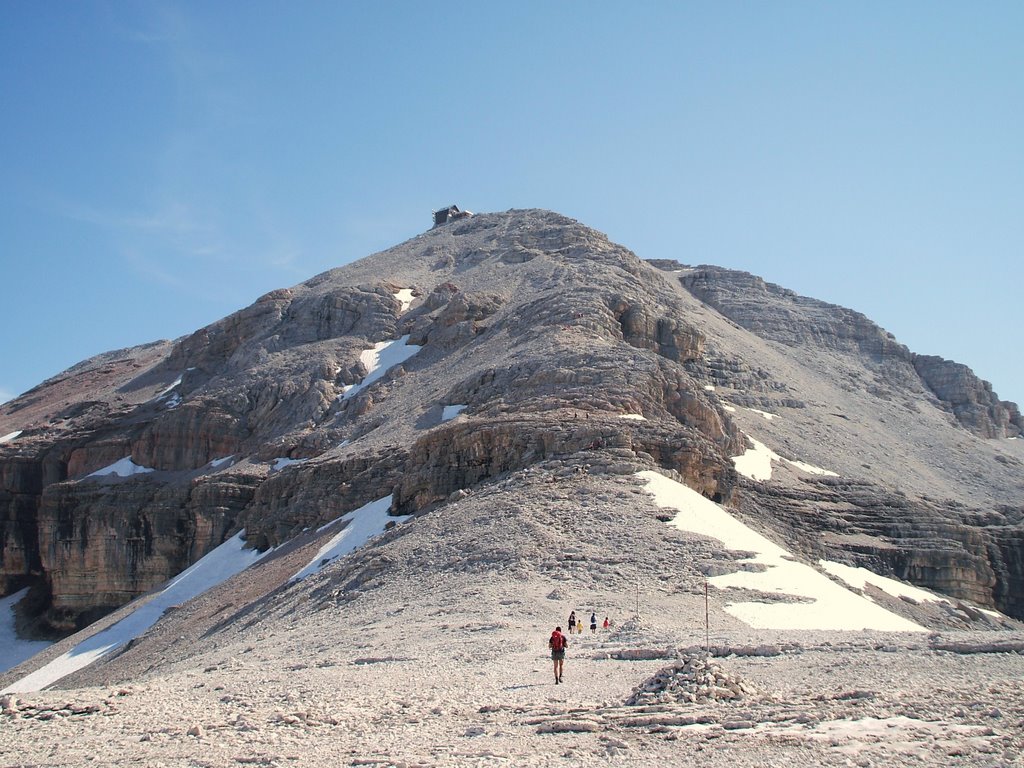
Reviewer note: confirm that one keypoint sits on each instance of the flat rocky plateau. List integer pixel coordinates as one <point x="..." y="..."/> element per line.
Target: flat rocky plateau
<point x="416" y="651"/>
<point x="465" y="679"/>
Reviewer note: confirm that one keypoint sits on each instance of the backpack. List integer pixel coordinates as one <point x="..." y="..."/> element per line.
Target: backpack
<point x="557" y="641"/>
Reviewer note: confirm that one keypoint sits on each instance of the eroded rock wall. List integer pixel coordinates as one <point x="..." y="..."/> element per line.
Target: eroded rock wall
<point x="971" y="399"/>
<point x="968" y="554"/>
<point x="778" y="314"/>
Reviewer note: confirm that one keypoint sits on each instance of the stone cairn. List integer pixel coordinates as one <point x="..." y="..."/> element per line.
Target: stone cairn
<point x="13" y="707"/>
<point x="689" y="680"/>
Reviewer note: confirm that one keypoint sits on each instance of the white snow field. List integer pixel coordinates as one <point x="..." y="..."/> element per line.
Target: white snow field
<point x="122" y="468"/>
<point x="404" y="295"/>
<point x="217" y="566"/>
<point x="379" y="360"/>
<point x="633" y="416"/>
<point x="861" y="577"/>
<point x="830" y="606"/>
<point x="449" y="412"/>
<point x="756" y="463"/>
<point x="14" y="650"/>
<point x="9" y="436"/>
<point x="362" y="525"/>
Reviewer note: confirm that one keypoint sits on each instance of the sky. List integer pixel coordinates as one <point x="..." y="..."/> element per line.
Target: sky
<point x="163" y="164"/>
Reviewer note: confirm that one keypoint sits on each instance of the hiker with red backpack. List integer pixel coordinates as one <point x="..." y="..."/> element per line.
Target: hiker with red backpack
<point x="558" y="643"/>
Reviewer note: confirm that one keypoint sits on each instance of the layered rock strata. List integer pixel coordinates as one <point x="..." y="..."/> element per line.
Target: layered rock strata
<point x="549" y="342"/>
<point x="780" y="315"/>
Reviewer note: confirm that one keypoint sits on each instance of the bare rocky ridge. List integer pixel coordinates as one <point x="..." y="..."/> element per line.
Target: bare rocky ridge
<point x="548" y="334"/>
<point x="778" y="314"/>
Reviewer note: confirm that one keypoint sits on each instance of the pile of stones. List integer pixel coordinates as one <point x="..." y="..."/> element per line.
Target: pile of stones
<point x="12" y="707"/>
<point x="690" y="679"/>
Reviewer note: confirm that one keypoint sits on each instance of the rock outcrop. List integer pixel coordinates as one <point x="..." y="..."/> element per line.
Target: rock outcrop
<point x="971" y="400"/>
<point x="970" y="554"/>
<point x="780" y="315"/>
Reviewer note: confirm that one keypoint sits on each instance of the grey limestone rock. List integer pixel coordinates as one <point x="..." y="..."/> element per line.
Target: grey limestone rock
<point x="565" y="355"/>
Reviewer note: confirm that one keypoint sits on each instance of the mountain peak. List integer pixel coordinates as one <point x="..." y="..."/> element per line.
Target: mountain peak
<point x="484" y="348"/>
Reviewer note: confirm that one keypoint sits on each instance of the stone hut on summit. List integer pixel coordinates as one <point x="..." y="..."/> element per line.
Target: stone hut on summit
<point x="451" y="213"/>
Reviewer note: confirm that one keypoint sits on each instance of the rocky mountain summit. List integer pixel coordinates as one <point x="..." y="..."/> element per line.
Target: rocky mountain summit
<point x="486" y="348"/>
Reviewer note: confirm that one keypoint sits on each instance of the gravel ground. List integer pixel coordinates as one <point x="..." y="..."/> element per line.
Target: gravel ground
<point x="459" y="677"/>
<point x="428" y="648"/>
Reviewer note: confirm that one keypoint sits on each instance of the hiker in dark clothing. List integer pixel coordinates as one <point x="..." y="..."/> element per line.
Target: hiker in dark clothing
<point x="593" y="623"/>
<point x="558" y="643"/>
<point x="572" y="622"/>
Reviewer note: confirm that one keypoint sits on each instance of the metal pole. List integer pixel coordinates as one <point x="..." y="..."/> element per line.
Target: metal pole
<point x="707" y="631"/>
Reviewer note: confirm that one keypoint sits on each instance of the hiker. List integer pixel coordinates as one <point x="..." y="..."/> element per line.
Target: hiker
<point x="606" y="623"/>
<point x="572" y="622"/>
<point x="593" y="623"/>
<point x="558" y="643"/>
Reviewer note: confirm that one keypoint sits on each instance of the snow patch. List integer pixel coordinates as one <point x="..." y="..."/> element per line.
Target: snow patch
<point x="220" y="462"/>
<point x="405" y="297"/>
<point x="633" y="416"/>
<point x="993" y="614"/>
<point x="283" y="462"/>
<point x="767" y="416"/>
<point x="811" y="469"/>
<point x="14" y="650"/>
<point x="451" y="411"/>
<point x="709" y="387"/>
<point x="122" y="468"/>
<point x="217" y="566"/>
<point x="756" y="463"/>
<point x="10" y="436"/>
<point x="861" y="577"/>
<point x="171" y="386"/>
<point x="831" y="606"/>
<point x="729" y="408"/>
<point x="384" y="356"/>
<point x="361" y="525"/>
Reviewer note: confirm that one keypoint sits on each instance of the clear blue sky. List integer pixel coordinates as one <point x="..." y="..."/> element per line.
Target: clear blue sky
<point x="162" y="164"/>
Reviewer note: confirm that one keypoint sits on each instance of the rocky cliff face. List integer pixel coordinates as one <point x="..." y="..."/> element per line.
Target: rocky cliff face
<point x="479" y="348"/>
<point x="971" y="400"/>
<point x="777" y="314"/>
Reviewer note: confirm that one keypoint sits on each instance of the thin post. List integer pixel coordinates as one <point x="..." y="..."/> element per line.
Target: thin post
<point x="707" y="631"/>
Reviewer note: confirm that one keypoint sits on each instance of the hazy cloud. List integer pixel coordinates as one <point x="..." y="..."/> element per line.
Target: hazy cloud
<point x="183" y="230"/>
<point x="172" y="217"/>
